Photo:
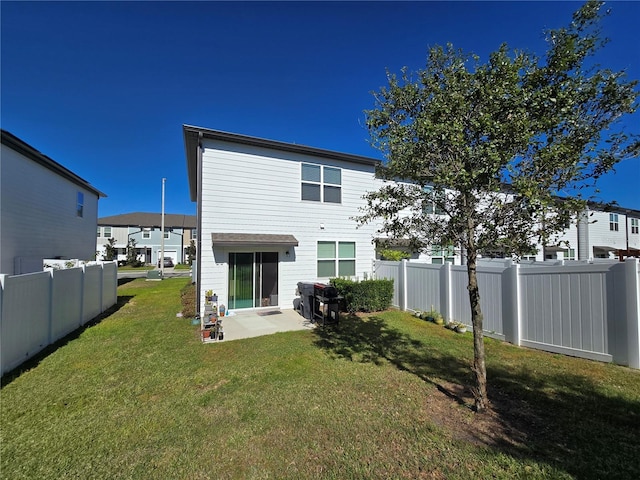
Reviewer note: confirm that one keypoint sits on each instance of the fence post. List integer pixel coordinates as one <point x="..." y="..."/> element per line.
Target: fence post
<point x="445" y="292"/>
<point x="511" y="316"/>
<point x="632" y="284"/>
<point x="50" y="322"/>
<point x="402" y="290"/>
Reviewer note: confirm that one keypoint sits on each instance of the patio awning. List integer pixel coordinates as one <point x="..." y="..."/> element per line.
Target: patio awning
<point x="250" y="239"/>
<point x="555" y="248"/>
<point x="605" y="248"/>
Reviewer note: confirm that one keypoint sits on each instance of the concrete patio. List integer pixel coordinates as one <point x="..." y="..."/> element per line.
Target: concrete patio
<point x="255" y="323"/>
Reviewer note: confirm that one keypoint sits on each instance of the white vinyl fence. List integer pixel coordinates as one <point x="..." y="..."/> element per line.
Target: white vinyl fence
<point x="37" y="309"/>
<point x="585" y="310"/>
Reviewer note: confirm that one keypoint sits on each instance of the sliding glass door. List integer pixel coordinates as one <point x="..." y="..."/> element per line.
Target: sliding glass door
<point x="253" y="279"/>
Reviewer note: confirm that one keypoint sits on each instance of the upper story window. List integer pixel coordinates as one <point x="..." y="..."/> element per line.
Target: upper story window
<point x="98" y="231"/>
<point x="613" y="222"/>
<point x="321" y="183"/>
<point x="146" y="233"/>
<point x="80" y="205"/>
<point x="429" y="205"/>
<point x="635" y="223"/>
<point x="337" y="257"/>
<point x="106" y="233"/>
<point x="194" y="234"/>
<point x="166" y="232"/>
<point x="439" y="254"/>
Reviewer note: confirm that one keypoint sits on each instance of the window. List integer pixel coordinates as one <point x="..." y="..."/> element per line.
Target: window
<point x="570" y="254"/>
<point x="321" y="183"/>
<point x="337" y="257"/>
<point x="440" y="255"/>
<point x="98" y="231"/>
<point x="613" y="222"/>
<point x="194" y="234"/>
<point x="634" y="225"/>
<point x="429" y="206"/>
<point x="146" y="234"/>
<point x="106" y="232"/>
<point x="80" y="205"/>
<point x="166" y="232"/>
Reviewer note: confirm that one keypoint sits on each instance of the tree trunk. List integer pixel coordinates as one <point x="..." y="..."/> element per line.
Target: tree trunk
<point x="479" y="368"/>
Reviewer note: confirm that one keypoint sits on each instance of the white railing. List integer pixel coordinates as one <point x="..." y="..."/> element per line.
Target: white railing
<point x="37" y="309"/>
<point x="589" y="310"/>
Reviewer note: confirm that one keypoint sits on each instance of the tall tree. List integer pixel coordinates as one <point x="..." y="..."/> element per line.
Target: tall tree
<point x="477" y="153"/>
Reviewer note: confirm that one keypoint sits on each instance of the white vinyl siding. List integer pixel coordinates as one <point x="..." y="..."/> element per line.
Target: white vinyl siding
<point x="249" y="189"/>
<point x="39" y="217"/>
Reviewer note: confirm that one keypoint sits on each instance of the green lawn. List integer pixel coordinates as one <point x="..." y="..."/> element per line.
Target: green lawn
<point x="137" y="395"/>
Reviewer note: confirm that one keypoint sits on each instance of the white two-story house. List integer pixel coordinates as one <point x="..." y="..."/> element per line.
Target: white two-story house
<point x="46" y="210"/>
<point x="271" y="214"/>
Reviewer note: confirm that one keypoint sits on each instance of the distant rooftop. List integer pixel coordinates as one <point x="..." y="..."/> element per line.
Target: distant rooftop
<point x="142" y="219"/>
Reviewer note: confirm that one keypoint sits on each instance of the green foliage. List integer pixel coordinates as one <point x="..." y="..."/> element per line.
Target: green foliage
<point x="393" y="255"/>
<point x="365" y="296"/>
<point x="460" y="129"/>
<point x="191" y="252"/>
<point x="188" y="299"/>
<point x="110" y="250"/>
<point x="132" y="254"/>
<point x="484" y="149"/>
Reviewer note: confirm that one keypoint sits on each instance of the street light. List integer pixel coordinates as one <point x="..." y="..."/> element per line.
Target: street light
<point x="162" y="234"/>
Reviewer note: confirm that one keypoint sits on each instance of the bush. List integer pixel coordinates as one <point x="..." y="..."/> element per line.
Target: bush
<point x="365" y="296"/>
<point x="188" y="298"/>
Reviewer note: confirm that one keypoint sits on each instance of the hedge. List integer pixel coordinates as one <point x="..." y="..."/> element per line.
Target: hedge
<point x="365" y="296"/>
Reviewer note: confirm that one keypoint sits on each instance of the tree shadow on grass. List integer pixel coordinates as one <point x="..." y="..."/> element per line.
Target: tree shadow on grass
<point x="562" y="419"/>
<point x="35" y="360"/>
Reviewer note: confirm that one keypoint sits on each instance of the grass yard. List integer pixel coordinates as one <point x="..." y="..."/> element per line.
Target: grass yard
<point x="137" y="395"/>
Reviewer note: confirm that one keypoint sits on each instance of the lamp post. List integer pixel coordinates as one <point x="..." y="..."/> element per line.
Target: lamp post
<point x="162" y="234"/>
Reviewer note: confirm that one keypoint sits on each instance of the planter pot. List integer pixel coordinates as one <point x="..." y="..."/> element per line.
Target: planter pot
<point x="439" y="321"/>
<point x="206" y="334"/>
<point x="461" y="328"/>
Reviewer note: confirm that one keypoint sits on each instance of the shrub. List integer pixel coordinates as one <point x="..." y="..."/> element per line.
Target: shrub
<point x="365" y="296"/>
<point x="188" y="298"/>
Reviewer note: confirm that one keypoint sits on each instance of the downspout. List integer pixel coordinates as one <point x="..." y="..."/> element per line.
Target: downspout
<point x="199" y="225"/>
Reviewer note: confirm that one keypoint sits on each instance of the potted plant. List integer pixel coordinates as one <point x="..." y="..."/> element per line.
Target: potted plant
<point x="461" y="328"/>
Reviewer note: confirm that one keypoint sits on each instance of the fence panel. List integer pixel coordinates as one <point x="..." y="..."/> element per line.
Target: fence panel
<point x="39" y="308"/>
<point x="26" y="301"/>
<point x="66" y="305"/>
<point x="566" y="307"/>
<point x="109" y="285"/>
<point x="391" y="271"/>
<point x="423" y="283"/>
<point x="590" y="310"/>
<point x="92" y="289"/>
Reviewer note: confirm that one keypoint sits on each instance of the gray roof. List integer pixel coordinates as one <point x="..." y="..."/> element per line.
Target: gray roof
<point x="192" y="136"/>
<point x="236" y="239"/>
<point x="23" y="148"/>
<point x="141" y="219"/>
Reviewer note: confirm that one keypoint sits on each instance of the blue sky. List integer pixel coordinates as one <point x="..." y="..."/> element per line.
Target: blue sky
<point x="105" y="87"/>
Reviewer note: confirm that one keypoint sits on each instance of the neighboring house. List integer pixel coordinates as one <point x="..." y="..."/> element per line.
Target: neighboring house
<point x="46" y="210"/>
<point x="272" y="214"/>
<point x="145" y="229"/>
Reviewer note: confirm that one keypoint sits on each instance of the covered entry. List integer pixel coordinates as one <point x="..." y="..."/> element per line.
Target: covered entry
<point x="253" y="261"/>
